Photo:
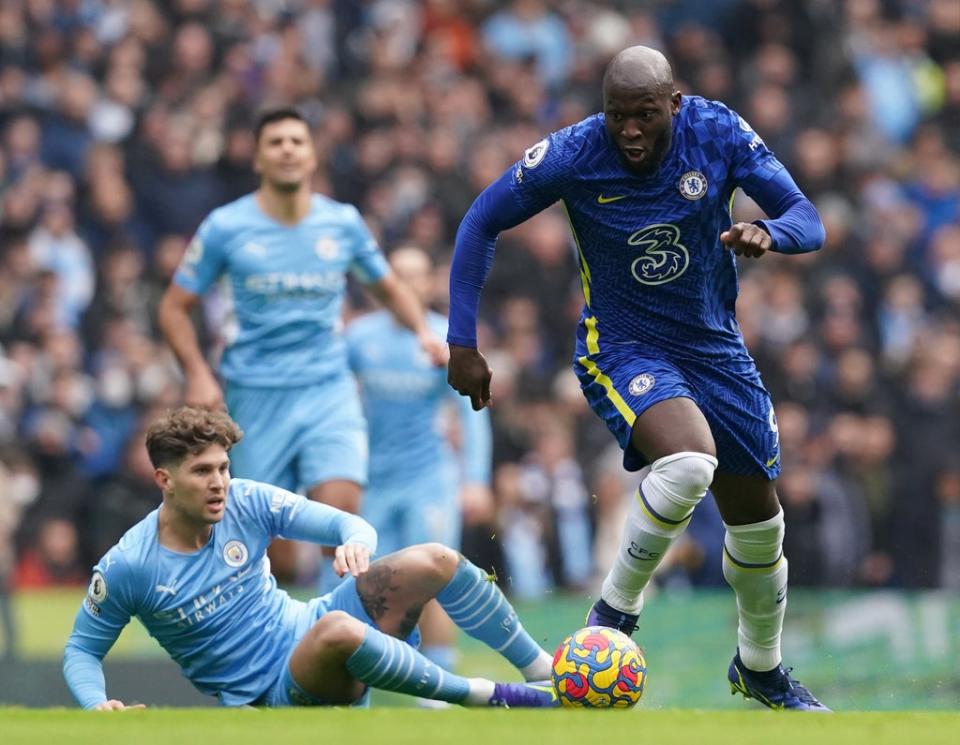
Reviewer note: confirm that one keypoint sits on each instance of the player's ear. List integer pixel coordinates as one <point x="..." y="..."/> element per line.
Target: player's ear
<point x="161" y="477"/>
<point x="675" y="102"/>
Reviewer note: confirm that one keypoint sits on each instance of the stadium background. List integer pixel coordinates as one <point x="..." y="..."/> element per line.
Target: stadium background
<point x="123" y="123"/>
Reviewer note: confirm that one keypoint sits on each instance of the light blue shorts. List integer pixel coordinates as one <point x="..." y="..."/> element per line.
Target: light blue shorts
<point x="422" y="511"/>
<point x="297" y="437"/>
<point x="285" y="691"/>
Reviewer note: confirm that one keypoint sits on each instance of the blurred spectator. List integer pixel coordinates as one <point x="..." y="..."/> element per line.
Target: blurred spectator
<point x="53" y="559"/>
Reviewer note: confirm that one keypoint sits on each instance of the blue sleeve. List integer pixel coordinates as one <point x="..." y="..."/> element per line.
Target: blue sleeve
<point x="204" y="260"/>
<point x="529" y="186"/>
<point x="368" y="264"/>
<point x="289" y="515"/>
<point x="794" y="225"/>
<point x="477" y="442"/>
<point x="105" y="612"/>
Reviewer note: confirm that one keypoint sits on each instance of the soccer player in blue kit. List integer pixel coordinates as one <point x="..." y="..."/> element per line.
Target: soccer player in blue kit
<point x="196" y="574"/>
<point x="286" y="253"/>
<point x="418" y="486"/>
<point x="648" y="185"/>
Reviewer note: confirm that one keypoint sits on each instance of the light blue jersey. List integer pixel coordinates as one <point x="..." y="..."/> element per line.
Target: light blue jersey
<point x="415" y="476"/>
<point x="217" y="611"/>
<point x="403" y="394"/>
<point x="287" y="284"/>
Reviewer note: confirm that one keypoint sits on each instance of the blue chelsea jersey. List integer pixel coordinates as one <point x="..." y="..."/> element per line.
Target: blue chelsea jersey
<point x="286" y="284"/>
<point x="652" y="266"/>
<point x="218" y="611"/>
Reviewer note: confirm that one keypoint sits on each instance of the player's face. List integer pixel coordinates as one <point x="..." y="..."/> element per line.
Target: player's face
<point x="413" y="269"/>
<point x="639" y="119"/>
<point x="285" y="156"/>
<point x="196" y="489"/>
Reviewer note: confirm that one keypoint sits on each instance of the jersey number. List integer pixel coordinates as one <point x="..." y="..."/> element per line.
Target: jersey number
<point x="663" y="259"/>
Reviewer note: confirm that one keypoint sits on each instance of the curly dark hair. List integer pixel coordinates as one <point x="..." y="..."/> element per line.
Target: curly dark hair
<point x="189" y="430"/>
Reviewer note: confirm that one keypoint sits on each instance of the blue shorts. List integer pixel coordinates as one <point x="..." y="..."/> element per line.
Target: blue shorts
<point x="297" y="437"/>
<point x="285" y="691"/>
<point x="422" y="511"/>
<point x="623" y="381"/>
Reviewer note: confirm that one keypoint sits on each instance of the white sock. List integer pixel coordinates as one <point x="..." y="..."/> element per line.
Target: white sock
<point x="659" y="512"/>
<point x="539" y="669"/>
<point x="756" y="569"/>
<point x="481" y="690"/>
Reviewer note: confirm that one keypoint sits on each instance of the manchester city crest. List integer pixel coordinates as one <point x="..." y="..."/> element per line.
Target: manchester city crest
<point x="235" y="553"/>
<point x="641" y="384"/>
<point x="326" y="248"/>
<point x="693" y="185"/>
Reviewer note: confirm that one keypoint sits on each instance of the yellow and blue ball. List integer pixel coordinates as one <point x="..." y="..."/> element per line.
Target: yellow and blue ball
<point x="598" y="667"/>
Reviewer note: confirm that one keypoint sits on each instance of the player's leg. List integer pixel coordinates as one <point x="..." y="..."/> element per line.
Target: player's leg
<point x="745" y="429"/>
<point x="754" y="564"/>
<point x="430" y="510"/>
<point x="674" y="437"/>
<point x="332" y="453"/>
<point x="397" y="587"/>
<point x="341" y="655"/>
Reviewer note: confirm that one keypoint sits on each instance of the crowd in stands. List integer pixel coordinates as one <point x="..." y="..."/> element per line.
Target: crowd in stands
<point x="124" y="122"/>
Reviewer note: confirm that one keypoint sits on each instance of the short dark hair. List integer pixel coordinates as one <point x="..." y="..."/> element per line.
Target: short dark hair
<point x="189" y="430"/>
<point x="277" y="114"/>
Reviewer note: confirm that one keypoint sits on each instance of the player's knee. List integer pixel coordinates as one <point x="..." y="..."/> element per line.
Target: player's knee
<point x="689" y="474"/>
<point x="338" y="631"/>
<point x="436" y="561"/>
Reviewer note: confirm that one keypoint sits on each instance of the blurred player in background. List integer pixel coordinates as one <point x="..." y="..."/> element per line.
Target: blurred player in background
<point x="418" y="486"/>
<point x="195" y="572"/>
<point x="286" y="253"/>
<point x="648" y="186"/>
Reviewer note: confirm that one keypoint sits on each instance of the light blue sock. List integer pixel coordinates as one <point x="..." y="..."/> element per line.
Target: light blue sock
<point x="475" y="603"/>
<point x="442" y="656"/>
<point x="384" y="662"/>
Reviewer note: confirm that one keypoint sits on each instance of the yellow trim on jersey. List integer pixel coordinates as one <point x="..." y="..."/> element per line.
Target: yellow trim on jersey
<point x="585" y="279"/>
<point x="593" y="371"/>
<point x="733" y="194"/>
<point x="593" y="335"/>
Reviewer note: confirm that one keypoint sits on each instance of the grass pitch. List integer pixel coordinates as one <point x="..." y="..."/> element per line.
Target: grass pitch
<point x="471" y="727"/>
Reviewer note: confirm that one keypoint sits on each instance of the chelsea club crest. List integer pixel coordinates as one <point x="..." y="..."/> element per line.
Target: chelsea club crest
<point x="693" y="185"/>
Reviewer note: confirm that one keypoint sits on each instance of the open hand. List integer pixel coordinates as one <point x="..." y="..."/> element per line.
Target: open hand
<point x="114" y="705"/>
<point x="351" y="558"/>
<point x="469" y="375"/>
<point x="434" y="348"/>
<point x="747" y="239"/>
<point x="202" y="389"/>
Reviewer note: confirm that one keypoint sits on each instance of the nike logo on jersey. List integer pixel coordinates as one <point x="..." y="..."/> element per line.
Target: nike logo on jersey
<point x="606" y="200"/>
<point x="773" y="460"/>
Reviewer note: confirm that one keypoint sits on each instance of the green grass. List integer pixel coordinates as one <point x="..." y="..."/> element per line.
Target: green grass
<point x="468" y="727"/>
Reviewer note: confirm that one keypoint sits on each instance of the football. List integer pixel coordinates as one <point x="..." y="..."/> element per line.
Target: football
<point x="599" y="667"/>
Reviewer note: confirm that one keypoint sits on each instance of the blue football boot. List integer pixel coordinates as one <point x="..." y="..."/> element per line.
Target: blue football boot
<point x="602" y="614"/>
<point x="774" y="689"/>
<point x="538" y="695"/>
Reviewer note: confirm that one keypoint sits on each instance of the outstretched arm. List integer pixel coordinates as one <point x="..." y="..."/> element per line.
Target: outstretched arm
<point x="496" y="209"/>
<point x="355" y="538"/>
<point x="173" y="317"/>
<point x="101" y="618"/>
<point x="406" y="308"/>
